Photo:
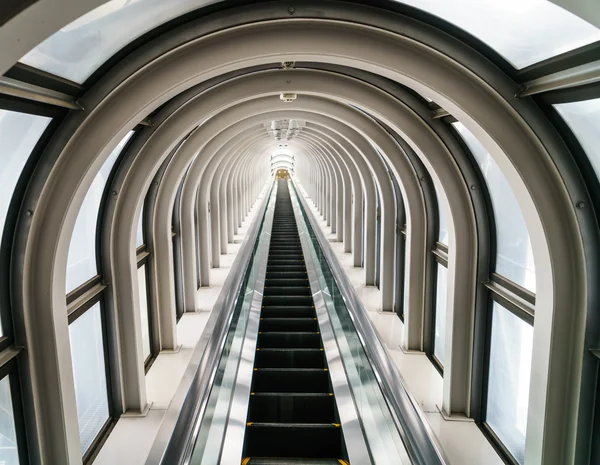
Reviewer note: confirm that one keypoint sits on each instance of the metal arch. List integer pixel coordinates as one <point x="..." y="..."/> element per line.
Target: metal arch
<point x="345" y="219"/>
<point x="162" y="230"/>
<point x="260" y="156"/>
<point x="230" y="171"/>
<point x="380" y="144"/>
<point x="282" y="156"/>
<point x="368" y="187"/>
<point x="59" y="13"/>
<point x="330" y="191"/>
<point x="358" y="191"/>
<point x="342" y="186"/>
<point x="323" y="186"/>
<point x="165" y="324"/>
<point x="217" y="208"/>
<point x="524" y="138"/>
<point x="326" y="193"/>
<point x="286" y="160"/>
<point x="212" y="148"/>
<point x="162" y="239"/>
<point x="282" y="165"/>
<point x="277" y="165"/>
<point x="291" y="161"/>
<point x="351" y="186"/>
<point x="236" y="210"/>
<point x="335" y="192"/>
<point x="137" y="145"/>
<point x="406" y="96"/>
<point x="366" y="150"/>
<point x="204" y="263"/>
<point x="368" y="177"/>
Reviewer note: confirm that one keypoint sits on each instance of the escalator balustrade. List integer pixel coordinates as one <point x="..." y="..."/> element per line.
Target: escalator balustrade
<point x="292" y="414"/>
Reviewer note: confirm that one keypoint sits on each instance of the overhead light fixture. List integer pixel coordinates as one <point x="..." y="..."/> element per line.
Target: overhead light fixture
<point x="288" y="98"/>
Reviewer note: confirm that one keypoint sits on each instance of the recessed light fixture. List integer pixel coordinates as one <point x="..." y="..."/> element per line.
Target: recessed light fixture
<point x="288" y="98"/>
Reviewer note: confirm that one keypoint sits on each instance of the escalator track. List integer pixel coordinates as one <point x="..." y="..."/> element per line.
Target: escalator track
<point x="292" y="414"/>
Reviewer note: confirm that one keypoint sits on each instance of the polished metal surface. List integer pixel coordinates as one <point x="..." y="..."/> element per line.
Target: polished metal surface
<point x="587" y="73"/>
<point x="420" y="442"/>
<point x="35" y="93"/>
<point x="356" y="446"/>
<point x="440" y="113"/>
<point x="233" y="443"/>
<point x="176" y="437"/>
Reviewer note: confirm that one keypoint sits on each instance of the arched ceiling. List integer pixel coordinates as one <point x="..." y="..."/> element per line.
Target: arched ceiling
<point x="208" y="78"/>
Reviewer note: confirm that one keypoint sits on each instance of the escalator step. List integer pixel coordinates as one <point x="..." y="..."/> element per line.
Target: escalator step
<point x="289" y="324"/>
<point x="277" y="251"/>
<point x="292" y="408"/>
<point x="281" y="340"/>
<point x="292" y="461"/>
<point x="301" y="311"/>
<point x="287" y="275"/>
<point x="293" y="440"/>
<point x="283" y="268"/>
<point x="275" y="257"/>
<point x="292" y="282"/>
<point x="284" y="261"/>
<point x="291" y="380"/>
<point x="290" y="358"/>
<point x="288" y="300"/>
<point x="287" y="290"/>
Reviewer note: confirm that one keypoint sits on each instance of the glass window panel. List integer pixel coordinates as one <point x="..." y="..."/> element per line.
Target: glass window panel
<point x="584" y="120"/>
<point x="514" y="255"/>
<point x="442" y="220"/>
<point x="81" y="262"/>
<point x="89" y="370"/>
<point x="9" y="453"/>
<point x="142" y="286"/>
<point x="79" y="48"/>
<point x="439" y="342"/>
<point x="139" y="238"/>
<point x="522" y="31"/>
<point x="19" y="133"/>
<point x="508" y="382"/>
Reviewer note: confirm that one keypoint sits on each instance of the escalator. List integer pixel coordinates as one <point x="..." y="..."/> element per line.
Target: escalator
<point x="290" y="370"/>
<point x="292" y="413"/>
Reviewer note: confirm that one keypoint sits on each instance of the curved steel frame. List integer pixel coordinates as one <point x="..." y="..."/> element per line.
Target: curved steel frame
<point x="547" y="183"/>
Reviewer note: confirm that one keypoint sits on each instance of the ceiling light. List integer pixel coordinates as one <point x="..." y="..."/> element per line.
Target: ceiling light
<point x="287" y="98"/>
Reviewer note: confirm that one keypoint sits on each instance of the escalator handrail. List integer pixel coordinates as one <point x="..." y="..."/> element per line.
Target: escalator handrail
<point x="175" y="439"/>
<point x="418" y="437"/>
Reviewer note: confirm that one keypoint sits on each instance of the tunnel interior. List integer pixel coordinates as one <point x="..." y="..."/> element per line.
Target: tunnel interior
<point x="447" y="151"/>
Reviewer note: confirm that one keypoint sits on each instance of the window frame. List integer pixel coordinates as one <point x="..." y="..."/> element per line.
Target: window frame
<point x="11" y="369"/>
<point x="440" y="258"/>
<point x="143" y="258"/>
<point x="12" y="355"/>
<point x="539" y="69"/>
<point x="177" y="257"/>
<point x="497" y="288"/>
<point x="93" y="291"/>
<point x="96" y="295"/>
<point x="485" y="428"/>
